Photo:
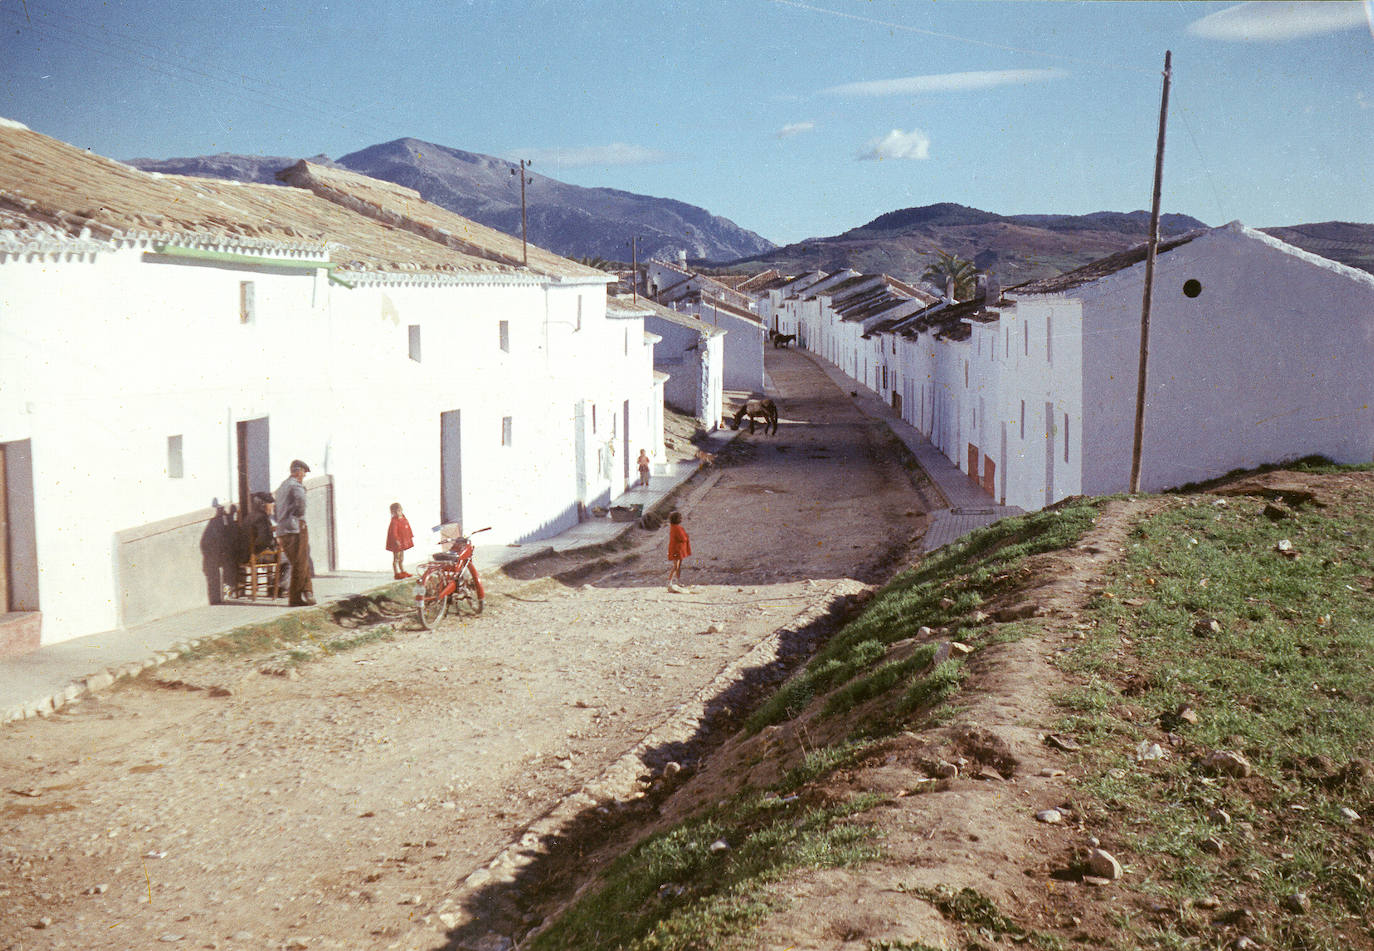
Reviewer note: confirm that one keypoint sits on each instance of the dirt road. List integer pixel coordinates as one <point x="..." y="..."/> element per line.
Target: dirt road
<point x="360" y="801"/>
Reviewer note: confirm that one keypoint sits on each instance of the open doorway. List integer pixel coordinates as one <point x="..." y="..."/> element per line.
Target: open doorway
<point x="18" y="536"/>
<point x="450" y="467"/>
<point x="255" y="471"/>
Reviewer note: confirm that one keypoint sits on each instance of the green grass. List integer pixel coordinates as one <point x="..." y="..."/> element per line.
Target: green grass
<point x="975" y="911"/>
<point x="673" y="892"/>
<point x="942" y="592"/>
<point x="1287" y="682"/>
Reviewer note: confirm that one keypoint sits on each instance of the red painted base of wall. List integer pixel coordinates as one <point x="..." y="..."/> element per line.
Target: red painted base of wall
<point x="20" y="632"/>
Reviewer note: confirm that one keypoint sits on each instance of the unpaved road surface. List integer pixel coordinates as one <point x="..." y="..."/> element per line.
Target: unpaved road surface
<point x="208" y="804"/>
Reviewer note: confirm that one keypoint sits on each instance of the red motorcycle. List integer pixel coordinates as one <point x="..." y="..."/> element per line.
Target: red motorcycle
<point x="450" y="578"/>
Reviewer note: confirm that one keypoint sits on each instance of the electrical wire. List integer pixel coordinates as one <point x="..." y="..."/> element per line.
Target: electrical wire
<point x="906" y="28"/>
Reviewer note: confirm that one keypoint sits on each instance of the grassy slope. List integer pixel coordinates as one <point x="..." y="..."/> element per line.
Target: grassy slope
<point x="1285" y="679"/>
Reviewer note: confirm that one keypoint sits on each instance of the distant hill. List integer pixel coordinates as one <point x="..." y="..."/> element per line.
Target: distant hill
<point x="1015" y="247"/>
<point x="1022" y="247"/>
<point x="1345" y="241"/>
<point x="566" y="219"/>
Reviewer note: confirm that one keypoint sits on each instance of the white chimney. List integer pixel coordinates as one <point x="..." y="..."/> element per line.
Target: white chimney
<point x="682" y="259"/>
<point x="993" y="292"/>
<point x="949" y="288"/>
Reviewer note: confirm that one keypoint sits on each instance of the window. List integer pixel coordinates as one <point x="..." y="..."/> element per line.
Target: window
<point x="627" y="341"/>
<point x="1192" y="287"/>
<point x="965" y="374"/>
<point x="414" y="342"/>
<point x="505" y="336"/>
<point x="175" y="469"/>
<point x="505" y="431"/>
<point x="1049" y="336"/>
<point x="593" y="418"/>
<point x="247" y="302"/>
<point x="1023" y="419"/>
<point x="1066" y="437"/>
<point x="1025" y="333"/>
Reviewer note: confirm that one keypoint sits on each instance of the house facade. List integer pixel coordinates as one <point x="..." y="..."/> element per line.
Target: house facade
<point x="742" y="344"/>
<point x="1258" y="353"/>
<point x="172" y="343"/>
<point x="691" y="356"/>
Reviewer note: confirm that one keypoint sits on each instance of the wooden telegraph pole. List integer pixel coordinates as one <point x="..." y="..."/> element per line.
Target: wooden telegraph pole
<point x="1151" y="249"/>
<point x="524" y="227"/>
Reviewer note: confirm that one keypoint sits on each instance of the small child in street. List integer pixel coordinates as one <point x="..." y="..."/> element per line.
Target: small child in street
<point x="644" y="468"/>
<point x="399" y="539"/>
<point x="679" y="547"/>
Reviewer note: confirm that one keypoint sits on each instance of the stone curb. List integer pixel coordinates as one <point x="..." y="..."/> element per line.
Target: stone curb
<point x="94" y="683"/>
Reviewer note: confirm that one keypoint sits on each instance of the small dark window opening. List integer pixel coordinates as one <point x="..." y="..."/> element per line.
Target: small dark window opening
<point x="1192" y="287"/>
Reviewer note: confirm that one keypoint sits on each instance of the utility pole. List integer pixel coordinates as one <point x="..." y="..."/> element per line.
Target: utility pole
<point x="634" y="269"/>
<point x="1150" y="251"/>
<point x="524" y="226"/>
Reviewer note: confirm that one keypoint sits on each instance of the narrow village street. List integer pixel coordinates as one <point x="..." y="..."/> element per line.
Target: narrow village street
<point x="240" y="803"/>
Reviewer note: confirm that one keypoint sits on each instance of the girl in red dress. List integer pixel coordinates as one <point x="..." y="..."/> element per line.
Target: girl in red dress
<point x="679" y="547"/>
<point x="399" y="539"/>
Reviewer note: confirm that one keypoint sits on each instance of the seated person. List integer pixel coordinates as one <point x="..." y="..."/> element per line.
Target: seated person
<point x="261" y="525"/>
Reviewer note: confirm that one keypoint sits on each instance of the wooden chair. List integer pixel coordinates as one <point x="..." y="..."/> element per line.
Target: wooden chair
<point x="261" y="572"/>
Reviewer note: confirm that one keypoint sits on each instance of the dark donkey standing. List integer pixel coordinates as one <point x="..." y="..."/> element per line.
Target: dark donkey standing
<point x="764" y="409"/>
<point x="782" y="340"/>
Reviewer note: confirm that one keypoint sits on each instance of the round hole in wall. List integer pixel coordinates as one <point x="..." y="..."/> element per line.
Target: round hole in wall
<point x="1192" y="287"/>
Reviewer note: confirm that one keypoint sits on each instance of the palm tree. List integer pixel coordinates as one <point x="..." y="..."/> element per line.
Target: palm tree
<point x="946" y="266"/>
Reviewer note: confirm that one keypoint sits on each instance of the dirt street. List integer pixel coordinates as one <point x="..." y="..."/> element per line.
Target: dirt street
<point x="210" y="804"/>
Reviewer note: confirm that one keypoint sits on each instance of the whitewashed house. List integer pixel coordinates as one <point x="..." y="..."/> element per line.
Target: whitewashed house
<point x="669" y="283"/>
<point x="172" y="343"/>
<point x="745" y="337"/>
<point x="1259" y="353"/>
<point x="689" y="353"/>
<point x="850" y="309"/>
<point x="779" y="303"/>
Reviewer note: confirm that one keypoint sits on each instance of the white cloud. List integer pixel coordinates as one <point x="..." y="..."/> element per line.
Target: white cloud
<point x="795" y="128"/>
<point x="1274" y="22"/>
<point x="946" y="82"/>
<point x="617" y="153"/>
<point x="897" y="145"/>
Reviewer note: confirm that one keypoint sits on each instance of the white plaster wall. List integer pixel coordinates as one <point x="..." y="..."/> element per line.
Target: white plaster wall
<point x="742" y="347"/>
<point x="1269" y="363"/>
<point x="93" y="346"/>
<point x="107" y="355"/>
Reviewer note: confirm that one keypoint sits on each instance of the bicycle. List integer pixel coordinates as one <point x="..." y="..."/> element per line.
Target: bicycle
<point x="450" y="579"/>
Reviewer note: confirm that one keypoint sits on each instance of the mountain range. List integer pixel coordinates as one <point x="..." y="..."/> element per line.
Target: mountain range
<point x="591" y="223"/>
<point x="570" y="220"/>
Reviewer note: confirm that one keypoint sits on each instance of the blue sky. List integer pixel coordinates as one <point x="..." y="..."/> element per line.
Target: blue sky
<point x="793" y="118"/>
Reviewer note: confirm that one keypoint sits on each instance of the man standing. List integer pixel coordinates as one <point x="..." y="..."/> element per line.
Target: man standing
<point x="293" y="535"/>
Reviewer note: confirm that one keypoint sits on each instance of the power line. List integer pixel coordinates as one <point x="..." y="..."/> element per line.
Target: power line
<point x="906" y="28"/>
<point x="160" y="61"/>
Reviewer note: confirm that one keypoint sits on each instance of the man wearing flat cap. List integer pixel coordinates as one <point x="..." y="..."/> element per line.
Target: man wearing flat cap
<point x="293" y="536"/>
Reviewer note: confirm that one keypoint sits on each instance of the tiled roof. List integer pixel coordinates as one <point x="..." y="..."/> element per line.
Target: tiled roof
<point x="643" y="307"/>
<point x="760" y="281"/>
<point x="709" y="301"/>
<point x="366" y="226"/>
<point x="1100" y="268"/>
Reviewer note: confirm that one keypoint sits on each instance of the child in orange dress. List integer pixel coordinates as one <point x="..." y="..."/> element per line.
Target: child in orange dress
<point x="679" y="547"/>
<point x="399" y="539"/>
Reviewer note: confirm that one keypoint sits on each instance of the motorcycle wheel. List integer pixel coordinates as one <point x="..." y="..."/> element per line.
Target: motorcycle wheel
<point x="432" y="606"/>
